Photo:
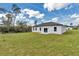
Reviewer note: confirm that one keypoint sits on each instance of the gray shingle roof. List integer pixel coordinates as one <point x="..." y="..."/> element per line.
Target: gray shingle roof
<point x="49" y="24"/>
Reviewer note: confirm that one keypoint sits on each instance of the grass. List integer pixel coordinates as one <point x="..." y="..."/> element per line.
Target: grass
<point x="35" y="44"/>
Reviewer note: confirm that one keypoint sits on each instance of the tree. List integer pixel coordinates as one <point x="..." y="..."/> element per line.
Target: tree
<point x="9" y="18"/>
<point x="21" y="23"/>
<point x="21" y="26"/>
<point x="16" y="11"/>
<point x="7" y="21"/>
<point x="3" y="20"/>
<point x="71" y="24"/>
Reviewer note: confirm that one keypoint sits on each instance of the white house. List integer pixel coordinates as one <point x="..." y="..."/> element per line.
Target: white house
<point x="70" y="27"/>
<point x="49" y="28"/>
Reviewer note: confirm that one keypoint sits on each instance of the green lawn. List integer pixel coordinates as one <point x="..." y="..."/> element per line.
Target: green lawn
<point x="38" y="44"/>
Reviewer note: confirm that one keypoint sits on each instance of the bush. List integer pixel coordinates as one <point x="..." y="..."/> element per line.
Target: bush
<point x="4" y="29"/>
<point x="76" y="28"/>
<point x="15" y="29"/>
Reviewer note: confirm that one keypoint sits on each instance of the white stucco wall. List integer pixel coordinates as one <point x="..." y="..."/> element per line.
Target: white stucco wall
<point x="63" y="29"/>
<point x="60" y="29"/>
<point x="69" y="28"/>
<point x="38" y="29"/>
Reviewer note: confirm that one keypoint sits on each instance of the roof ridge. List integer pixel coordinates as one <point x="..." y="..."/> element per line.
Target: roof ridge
<point x="49" y="24"/>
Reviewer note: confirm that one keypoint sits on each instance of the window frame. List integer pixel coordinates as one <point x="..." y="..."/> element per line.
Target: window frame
<point x="55" y="29"/>
<point x="45" y="30"/>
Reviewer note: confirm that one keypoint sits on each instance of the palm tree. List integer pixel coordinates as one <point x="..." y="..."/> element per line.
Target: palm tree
<point x="8" y="20"/>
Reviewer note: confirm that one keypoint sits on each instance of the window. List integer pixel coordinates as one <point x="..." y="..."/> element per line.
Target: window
<point x="45" y="29"/>
<point x="40" y="29"/>
<point x="55" y="28"/>
<point x="35" y="28"/>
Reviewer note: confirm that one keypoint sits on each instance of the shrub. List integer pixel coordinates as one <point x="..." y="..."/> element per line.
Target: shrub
<point x="15" y="29"/>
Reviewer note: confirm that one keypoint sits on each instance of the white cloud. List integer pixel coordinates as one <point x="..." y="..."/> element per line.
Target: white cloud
<point x="33" y="13"/>
<point x="51" y="20"/>
<point x="74" y="15"/>
<point x="55" y="19"/>
<point x="74" y="18"/>
<point x="26" y="14"/>
<point x="21" y="17"/>
<point x="40" y="16"/>
<point x="55" y="6"/>
<point x="76" y="21"/>
<point x="1" y="15"/>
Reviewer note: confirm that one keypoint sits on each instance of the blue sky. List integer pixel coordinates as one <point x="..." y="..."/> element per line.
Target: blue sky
<point x="65" y="13"/>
